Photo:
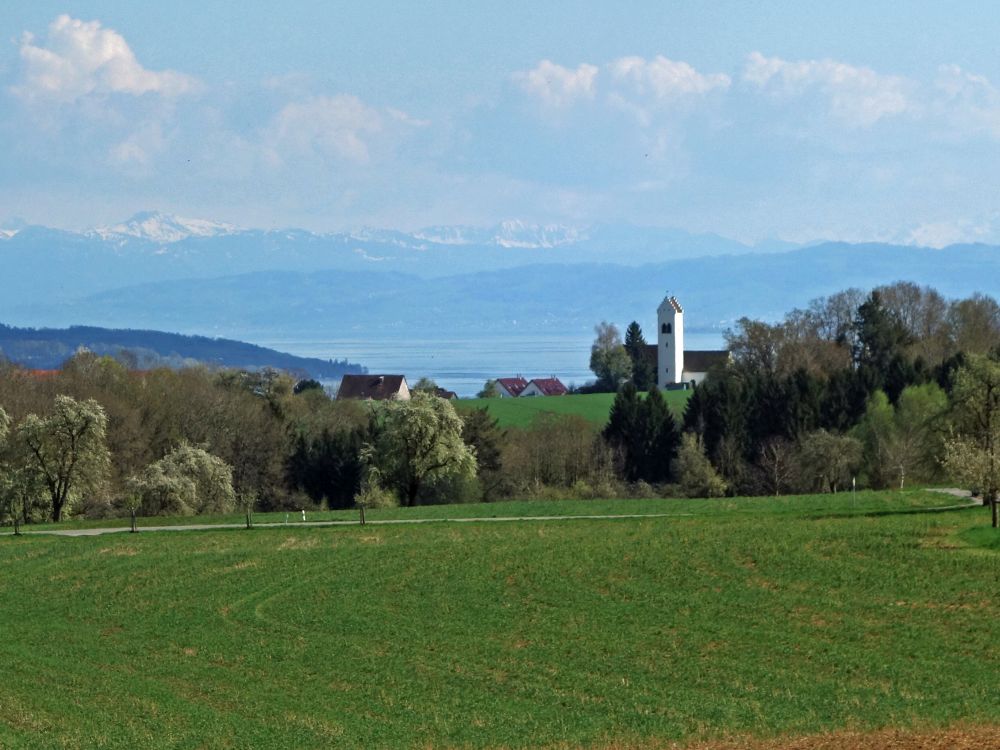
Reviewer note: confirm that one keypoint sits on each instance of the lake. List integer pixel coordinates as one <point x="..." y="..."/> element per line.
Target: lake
<point x="463" y="365"/>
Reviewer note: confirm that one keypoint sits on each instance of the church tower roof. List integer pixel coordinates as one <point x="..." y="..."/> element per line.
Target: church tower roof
<point x="670" y="303"/>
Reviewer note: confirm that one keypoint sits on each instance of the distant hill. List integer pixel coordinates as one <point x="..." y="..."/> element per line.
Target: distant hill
<point x="542" y="298"/>
<point x="48" y="348"/>
<point x="43" y="265"/>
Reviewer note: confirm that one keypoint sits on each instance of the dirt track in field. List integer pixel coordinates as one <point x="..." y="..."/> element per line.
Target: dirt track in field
<point x="954" y="738"/>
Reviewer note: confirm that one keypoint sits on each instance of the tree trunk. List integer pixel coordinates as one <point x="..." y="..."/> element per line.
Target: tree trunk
<point x="58" y="502"/>
<point x="134" y="529"/>
<point x="996" y="512"/>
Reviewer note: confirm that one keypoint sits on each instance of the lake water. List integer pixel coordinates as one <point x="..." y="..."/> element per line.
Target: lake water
<point x="463" y="365"/>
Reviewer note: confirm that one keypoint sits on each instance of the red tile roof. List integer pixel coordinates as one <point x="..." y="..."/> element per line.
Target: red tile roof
<point x="375" y="387"/>
<point x="514" y="386"/>
<point x="550" y="386"/>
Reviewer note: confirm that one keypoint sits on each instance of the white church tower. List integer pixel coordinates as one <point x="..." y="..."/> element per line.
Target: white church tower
<point x="669" y="342"/>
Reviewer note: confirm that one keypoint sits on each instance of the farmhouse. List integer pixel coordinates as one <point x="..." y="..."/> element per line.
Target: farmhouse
<point x="675" y="367"/>
<point x="544" y="387"/>
<point x="511" y="387"/>
<point x="373" y="387"/>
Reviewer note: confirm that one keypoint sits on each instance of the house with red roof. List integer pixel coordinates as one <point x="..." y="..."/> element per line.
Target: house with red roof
<point x="373" y="388"/>
<point x="545" y="387"/>
<point x="511" y="387"/>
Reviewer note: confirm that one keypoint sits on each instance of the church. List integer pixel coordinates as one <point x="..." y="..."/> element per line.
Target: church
<point x="675" y="367"/>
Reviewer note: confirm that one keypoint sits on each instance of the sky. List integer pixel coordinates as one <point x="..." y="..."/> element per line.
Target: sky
<point x="798" y="120"/>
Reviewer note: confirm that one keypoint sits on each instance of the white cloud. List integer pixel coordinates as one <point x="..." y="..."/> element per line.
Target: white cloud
<point x="664" y="78"/>
<point x="139" y="148"/>
<point x="330" y="126"/>
<point x="982" y="228"/>
<point x="943" y="233"/>
<point x="81" y="58"/>
<point x="559" y="87"/>
<point x="858" y="95"/>
<point x="969" y="102"/>
<point x="406" y="118"/>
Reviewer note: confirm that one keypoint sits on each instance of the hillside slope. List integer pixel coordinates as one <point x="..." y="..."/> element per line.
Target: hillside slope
<point x="547" y="298"/>
<point x="48" y="348"/>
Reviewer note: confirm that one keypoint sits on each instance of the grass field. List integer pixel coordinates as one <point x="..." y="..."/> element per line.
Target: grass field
<point x="594" y="407"/>
<point x="756" y="617"/>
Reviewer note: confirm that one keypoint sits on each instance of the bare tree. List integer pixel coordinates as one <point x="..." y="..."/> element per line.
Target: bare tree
<point x="777" y="464"/>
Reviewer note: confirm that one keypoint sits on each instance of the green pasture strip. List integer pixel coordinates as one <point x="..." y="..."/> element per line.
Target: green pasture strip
<point x="763" y="622"/>
<point x="840" y="503"/>
<point x="983" y="537"/>
<point x="594" y="407"/>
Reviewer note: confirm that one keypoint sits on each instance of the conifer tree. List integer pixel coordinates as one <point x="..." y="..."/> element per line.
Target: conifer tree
<point x="643" y="372"/>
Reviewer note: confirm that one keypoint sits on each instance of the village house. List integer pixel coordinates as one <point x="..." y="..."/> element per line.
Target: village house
<point x="510" y="387"/>
<point x="373" y="388"/>
<point x="544" y="387"/>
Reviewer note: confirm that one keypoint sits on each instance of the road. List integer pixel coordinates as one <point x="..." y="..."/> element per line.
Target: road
<point x="955" y="492"/>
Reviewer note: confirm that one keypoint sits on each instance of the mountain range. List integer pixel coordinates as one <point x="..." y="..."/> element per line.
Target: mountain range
<point x="194" y="276"/>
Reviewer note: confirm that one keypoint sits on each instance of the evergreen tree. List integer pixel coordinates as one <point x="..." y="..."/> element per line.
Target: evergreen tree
<point x="645" y="433"/>
<point x="624" y="430"/>
<point x="327" y="466"/>
<point x="879" y="350"/>
<point x="643" y="370"/>
<point x="662" y="438"/>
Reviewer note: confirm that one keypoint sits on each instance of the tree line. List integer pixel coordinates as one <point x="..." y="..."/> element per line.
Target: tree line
<point x="97" y="439"/>
<point x="874" y="389"/>
<point x="886" y="388"/>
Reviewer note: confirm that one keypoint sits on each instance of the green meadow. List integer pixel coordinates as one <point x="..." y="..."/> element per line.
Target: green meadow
<point x="594" y="407"/>
<point x="764" y="617"/>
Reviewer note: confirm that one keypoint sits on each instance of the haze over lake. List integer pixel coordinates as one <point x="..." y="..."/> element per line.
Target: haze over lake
<point x="465" y="364"/>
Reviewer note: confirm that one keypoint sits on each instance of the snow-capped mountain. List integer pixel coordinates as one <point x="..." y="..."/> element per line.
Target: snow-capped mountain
<point x="59" y="265"/>
<point x="10" y="227"/>
<point x="510" y="233"/>
<point x="166" y="228"/>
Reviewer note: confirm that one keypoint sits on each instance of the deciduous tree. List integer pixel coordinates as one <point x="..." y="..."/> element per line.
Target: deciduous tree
<point x="694" y="472"/>
<point x="418" y="441"/>
<point x="187" y="481"/>
<point x="971" y="455"/>
<point x="489" y="390"/>
<point x="66" y="450"/>
<point x="608" y="359"/>
<point x="827" y="461"/>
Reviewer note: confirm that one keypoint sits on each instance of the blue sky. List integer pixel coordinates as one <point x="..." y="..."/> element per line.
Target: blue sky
<point x="800" y="120"/>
